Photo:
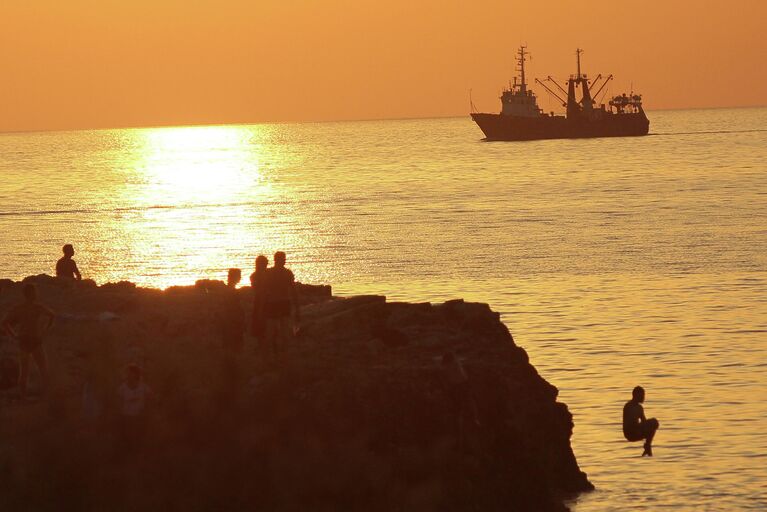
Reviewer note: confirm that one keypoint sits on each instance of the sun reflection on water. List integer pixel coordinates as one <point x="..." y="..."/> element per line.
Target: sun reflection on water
<point x="194" y="165"/>
<point x="201" y="188"/>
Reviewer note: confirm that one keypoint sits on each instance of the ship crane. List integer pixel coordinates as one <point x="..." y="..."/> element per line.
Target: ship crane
<point x="555" y="82"/>
<point x="540" y="82"/>
<point x="602" y="97"/>
<point x="596" y="80"/>
<point x="607" y="80"/>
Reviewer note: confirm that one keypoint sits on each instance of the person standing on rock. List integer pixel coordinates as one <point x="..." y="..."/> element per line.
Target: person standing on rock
<point x="258" y="285"/>
<point x="66" y="268"/>
<point x="231" y="315"/>
<point x="281" y="310"/>
<point x="28" y="322"/>
<point x="134" y="398"/>
<point x="635" y="426"/>
<point x="231" y="324"/>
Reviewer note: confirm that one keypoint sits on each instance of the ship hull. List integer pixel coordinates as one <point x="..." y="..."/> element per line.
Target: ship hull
<point x="504" y="127"/>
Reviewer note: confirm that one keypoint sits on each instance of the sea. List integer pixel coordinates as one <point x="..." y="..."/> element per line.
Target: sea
<point x="615" y="262"/>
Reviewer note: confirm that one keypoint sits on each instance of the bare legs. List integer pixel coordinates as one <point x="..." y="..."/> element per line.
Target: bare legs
<point x="277" y="336"/>
<point x="650" y="427"/>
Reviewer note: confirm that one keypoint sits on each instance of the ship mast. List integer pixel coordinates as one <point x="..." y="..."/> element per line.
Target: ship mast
<point x="521" y="60"/>
<point x="578" y="52"/>
<point x="576" y="108"/>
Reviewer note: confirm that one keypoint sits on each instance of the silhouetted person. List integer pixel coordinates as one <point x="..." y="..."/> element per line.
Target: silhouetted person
<point x="31" y="320"/>
<point x="133" y="393"/>
<point x="258" y="284"/>
<point x="280" y="304"/>
<point x="66" y="267"/>
<point x="635" y="426"/>
<point x="231" y="315"/>
<point x="134" y="397"/>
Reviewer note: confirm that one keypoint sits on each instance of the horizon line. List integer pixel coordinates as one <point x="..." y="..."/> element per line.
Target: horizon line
<point x="319" y="121"/>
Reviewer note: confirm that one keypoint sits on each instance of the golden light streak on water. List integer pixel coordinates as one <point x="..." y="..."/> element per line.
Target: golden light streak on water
<point x="192" y="165"/>
<point x="185" y="176"/>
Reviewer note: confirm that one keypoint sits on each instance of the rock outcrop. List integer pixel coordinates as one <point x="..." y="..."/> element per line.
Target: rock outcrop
<point x="356" y="414"/>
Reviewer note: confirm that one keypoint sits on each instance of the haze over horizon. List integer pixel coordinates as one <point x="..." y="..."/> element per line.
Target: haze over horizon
<point x="87" y="64"/>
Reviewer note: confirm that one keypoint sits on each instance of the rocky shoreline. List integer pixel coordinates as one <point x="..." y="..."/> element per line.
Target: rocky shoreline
<point x="355" y="414"/>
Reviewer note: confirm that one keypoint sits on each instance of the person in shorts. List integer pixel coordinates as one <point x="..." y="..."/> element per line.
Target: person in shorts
<point x="635" y="426"/>
<point x="281" y="311"/>
<point x="28" y="322"/>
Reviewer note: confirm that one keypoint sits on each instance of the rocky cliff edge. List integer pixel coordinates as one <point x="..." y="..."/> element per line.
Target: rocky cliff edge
<point x="357" y="413"/>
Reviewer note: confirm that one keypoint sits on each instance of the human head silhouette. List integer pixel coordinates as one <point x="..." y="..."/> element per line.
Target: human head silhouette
<point x="30" y="292"/>
<point x="279" y="259"/>
<point x="233" y="277"/>
<point x="638" y="394"/>
<point x="69" y="251"/>
<point x="261" y="262"/>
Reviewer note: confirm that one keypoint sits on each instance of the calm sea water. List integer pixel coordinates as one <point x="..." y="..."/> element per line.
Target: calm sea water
<point x="615" y="262"/>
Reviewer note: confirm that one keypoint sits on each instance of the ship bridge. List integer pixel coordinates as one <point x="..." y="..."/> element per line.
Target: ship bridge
<point x="518" y="100"/>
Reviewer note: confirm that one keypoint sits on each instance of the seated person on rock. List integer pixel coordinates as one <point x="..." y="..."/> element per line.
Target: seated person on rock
<point x="66" y="267"/>
<point x="635" y="426"/>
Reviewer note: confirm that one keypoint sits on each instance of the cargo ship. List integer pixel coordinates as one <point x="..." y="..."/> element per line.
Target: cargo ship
<point x="521" y="118"/>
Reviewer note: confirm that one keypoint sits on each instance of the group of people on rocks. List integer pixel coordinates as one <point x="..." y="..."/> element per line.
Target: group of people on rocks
<point x="276" y="312"/>
<point x="274" y="320"/>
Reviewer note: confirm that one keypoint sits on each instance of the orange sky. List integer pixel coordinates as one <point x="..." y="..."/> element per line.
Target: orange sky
<point x="109" y="63"/>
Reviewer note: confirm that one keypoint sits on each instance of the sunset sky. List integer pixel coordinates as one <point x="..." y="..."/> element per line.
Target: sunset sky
<point x="112" y="63"/>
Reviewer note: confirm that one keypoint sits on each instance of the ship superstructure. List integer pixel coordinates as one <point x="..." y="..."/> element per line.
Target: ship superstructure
<point x="521" y="118"/>
<point x="518" y="100"/>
